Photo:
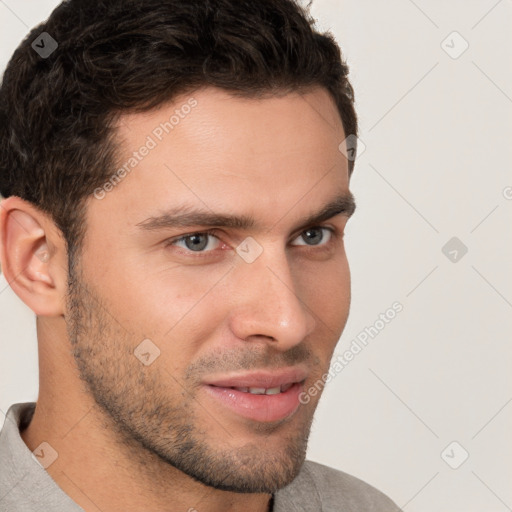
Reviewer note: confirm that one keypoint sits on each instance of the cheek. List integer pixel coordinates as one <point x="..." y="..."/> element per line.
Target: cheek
<point x="325" y="289"/>
<point x="177" y="308"/>
<point x="180" y="309"/>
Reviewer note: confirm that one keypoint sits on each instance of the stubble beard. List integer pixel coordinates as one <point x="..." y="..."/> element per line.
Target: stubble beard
<point x="158" y="427"/>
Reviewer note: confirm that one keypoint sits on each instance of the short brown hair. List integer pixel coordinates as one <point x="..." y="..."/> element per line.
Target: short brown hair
<point x="57" y="144"/>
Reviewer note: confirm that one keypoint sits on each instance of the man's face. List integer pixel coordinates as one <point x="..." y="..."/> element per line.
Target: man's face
<point x="265" y="317"/>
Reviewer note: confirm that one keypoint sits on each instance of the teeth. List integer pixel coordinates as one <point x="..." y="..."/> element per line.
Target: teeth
<point x="257" y="391"/>
<point x="266" y="391"/>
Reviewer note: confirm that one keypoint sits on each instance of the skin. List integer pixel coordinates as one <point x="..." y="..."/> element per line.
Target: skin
<point x="151" y="432"/>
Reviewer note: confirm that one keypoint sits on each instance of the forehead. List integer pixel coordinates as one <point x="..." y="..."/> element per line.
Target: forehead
<point x="246" y="155"/>
<point x="213" y="124"/>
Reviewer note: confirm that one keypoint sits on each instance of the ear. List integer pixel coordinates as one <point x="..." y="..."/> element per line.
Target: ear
<point x="33" y="256"/>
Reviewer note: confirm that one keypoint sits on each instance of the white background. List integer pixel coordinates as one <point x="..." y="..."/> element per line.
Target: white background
<point x="437" y="164"/>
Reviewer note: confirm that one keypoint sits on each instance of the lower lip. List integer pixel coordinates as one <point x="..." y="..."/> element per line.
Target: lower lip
<point x="263" y="408"/>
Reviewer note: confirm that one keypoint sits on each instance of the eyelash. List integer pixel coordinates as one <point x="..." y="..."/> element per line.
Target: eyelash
<point x="335" y="234"/>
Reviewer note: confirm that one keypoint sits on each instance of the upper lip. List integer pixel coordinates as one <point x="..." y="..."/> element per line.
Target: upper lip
<point x="260" y="379"/>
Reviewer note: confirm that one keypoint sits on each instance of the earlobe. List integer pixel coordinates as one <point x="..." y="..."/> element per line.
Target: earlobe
<point x="30" y="256"/>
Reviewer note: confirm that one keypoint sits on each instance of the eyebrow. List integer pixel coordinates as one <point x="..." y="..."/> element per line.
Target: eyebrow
<point x="187" y="216"/>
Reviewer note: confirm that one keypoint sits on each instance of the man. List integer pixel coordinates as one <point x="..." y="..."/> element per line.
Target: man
<point x="175" y="204"/>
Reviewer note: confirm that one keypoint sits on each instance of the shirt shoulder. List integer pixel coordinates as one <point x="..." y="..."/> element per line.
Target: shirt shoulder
<point x="25" y="486"/>
<point x="319" y="488"/>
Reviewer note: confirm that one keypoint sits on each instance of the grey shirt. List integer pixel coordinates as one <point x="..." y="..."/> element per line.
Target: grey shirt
<point x="25" y="486"/>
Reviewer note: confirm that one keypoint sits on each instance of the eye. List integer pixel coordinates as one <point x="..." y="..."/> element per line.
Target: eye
<point x="206" y="241"/>
<point x="314" y="236"/>
<point x="196" y="242"/>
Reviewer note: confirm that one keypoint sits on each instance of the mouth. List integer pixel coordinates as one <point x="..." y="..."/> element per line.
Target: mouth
<point x="264" y="391"/>
<point x="259" y="396"/>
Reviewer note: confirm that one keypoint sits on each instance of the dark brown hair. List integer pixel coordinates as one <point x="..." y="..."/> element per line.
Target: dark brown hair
<point x="57" y="143"/>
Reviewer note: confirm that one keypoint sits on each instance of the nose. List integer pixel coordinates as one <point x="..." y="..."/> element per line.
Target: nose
<point x="267" y="305"/>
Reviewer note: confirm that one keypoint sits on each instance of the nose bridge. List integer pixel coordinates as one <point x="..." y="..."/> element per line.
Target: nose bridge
<point x="269" y="305"/>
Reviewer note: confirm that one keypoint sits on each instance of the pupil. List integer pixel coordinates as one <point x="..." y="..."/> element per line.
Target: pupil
<point x="196" y="244"/>
<point x="313" y="238"/>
